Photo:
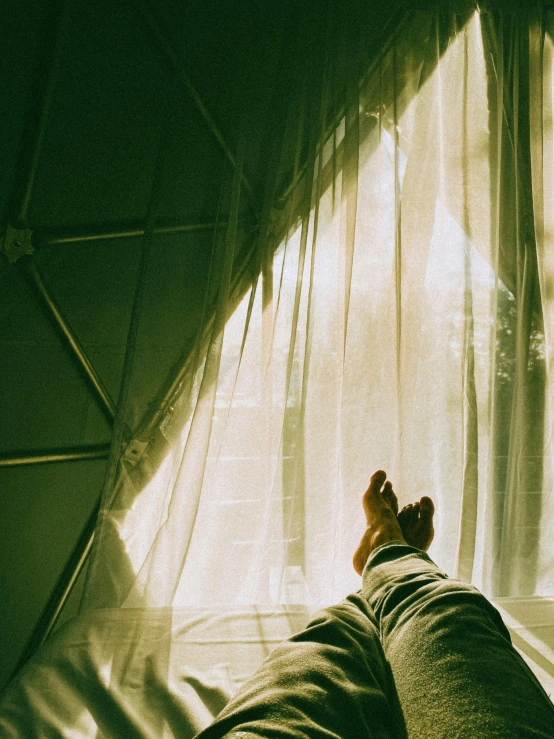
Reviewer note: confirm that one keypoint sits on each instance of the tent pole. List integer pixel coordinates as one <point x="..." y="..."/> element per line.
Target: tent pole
<point x="78" y="350"/>
<point x="173" y="58"/>
<point x="170" y="388"/>
<point x="154" y="415"/>
<point x="62" y="591"/>
<point x="83" y="547"/>
<point x="78" y="454"/>
<point x="48" y="95"/>
<point x="129" y="233"/>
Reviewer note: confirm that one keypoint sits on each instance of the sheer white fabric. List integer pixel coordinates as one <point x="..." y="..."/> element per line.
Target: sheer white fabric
<point x="400" y="317"/>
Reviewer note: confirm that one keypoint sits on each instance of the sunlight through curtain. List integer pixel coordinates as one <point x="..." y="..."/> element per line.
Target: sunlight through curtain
<point x="396" y="313"/>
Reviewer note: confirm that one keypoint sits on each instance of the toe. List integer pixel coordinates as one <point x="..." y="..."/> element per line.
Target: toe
<point x="372" y="496"/>
<point x="390" y="497"/>
<point x="427" y="508"/>
<point x="426" y="527"/>
<point x="406" y="513"/>
<point x="377" y="480"/>
<point x="415" y="512"/>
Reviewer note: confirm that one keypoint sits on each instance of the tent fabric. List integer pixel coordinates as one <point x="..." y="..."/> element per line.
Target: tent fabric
<point x="394" y="313"/>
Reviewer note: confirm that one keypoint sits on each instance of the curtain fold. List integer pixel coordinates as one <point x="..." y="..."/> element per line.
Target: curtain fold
<point x="396" y="313"/>
<point x="541" y="98"/>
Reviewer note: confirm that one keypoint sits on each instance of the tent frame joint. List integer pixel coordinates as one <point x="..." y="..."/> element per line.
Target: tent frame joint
<point x="16" y="243"/>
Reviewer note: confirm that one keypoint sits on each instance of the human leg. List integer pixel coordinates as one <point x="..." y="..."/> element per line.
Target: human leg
<point x="331" y="680"/>
<point x="455" y="669"/>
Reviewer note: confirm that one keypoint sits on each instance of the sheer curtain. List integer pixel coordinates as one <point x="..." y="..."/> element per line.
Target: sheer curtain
<point x="396" y="312"/>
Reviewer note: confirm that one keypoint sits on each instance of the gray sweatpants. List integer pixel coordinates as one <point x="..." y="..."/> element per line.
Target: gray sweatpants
<point x="413" y="654"/>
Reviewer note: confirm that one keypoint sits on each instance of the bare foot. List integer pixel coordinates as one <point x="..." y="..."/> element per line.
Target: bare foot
<point x="416" y="522"/>
<point x="381" y="508"/>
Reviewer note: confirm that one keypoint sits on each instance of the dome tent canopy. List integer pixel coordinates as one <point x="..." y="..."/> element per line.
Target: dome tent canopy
<point x="129" y="304"/>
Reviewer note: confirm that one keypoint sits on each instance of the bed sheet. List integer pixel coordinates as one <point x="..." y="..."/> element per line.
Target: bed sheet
<point x="153" y="673"/>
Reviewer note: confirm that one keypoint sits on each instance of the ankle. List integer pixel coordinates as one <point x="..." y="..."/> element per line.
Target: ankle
<point x="384" y="535"/>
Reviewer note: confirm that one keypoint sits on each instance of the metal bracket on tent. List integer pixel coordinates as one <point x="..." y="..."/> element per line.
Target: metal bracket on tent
<point x="135" y="450"/>
<point x="17" y="242"/>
